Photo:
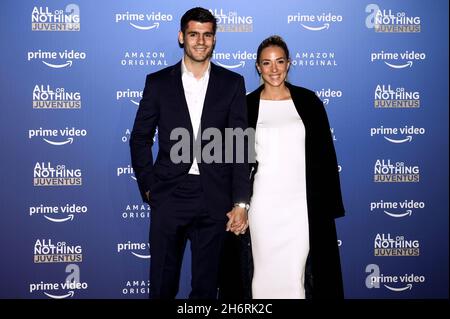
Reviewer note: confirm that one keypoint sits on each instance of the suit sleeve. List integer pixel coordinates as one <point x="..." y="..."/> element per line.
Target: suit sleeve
<point x="141" y="140"/>
<point x="327" y="156"/>
<point x="238" y="120"/>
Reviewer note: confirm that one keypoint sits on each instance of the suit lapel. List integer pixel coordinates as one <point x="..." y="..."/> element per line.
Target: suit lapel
<point x="179" y="93"/>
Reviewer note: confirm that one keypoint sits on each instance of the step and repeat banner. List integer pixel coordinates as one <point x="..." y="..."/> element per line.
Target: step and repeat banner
<point x="72" y="73"/>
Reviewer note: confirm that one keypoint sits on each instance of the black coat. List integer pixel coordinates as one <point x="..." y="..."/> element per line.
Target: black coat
<point x="323" y="278"/>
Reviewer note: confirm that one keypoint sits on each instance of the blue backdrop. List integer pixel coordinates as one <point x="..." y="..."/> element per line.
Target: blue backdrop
<point x="72" y="74"/>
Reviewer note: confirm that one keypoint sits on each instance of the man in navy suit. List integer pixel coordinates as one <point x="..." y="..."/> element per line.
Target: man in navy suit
<point x="191" y="200"/>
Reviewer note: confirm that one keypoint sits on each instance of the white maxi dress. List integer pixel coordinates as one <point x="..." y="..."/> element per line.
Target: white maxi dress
<point x="278" y="214"/>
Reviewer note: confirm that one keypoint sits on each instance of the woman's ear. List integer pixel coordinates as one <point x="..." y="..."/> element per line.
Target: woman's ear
<point x="258" y="68"/>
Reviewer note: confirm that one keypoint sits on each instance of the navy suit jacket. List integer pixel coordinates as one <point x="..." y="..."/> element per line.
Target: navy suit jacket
<point x="164" y="106"/>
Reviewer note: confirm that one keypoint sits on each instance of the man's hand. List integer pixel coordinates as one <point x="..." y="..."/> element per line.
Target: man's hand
<point x="237" y="220"/>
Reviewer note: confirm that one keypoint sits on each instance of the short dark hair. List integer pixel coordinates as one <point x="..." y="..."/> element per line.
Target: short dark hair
<point x="272" y="41"/>
<point x="198" y="14"/>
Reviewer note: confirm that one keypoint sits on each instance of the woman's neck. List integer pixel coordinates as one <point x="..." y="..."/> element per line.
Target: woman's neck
<point x="275" y="93"/>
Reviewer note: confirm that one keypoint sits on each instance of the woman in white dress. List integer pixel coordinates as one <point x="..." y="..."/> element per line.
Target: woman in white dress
<point x="291" y="214"/>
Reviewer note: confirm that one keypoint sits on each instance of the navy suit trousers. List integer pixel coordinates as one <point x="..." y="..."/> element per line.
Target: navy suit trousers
<point x="184" y="216"/>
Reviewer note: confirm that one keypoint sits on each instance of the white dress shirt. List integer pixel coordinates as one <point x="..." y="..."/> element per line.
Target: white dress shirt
<point x="195" y="92"/>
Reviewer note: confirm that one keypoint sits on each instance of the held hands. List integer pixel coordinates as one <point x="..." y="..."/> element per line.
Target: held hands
<point x="237" y="221"/>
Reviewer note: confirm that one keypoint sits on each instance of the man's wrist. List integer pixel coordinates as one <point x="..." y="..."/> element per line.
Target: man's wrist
<point x="242" y="205"/>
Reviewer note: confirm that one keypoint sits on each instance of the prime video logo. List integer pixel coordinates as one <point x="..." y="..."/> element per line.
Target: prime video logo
<point x="326" y="94"/>
<point x="70" y="285"/>
<point x="129" y="246"/>
<point x="134" y="96"/>
<point x="313" y="22"/>
<point x="391" y="208"/>
<point x="69" y="210"/>
<point x="407" y="57"/>
<point x="239" y="58"/>
<point x="143" y="21"/>
<point x="407" y="132"/>
<point x="48" y="134"/>
<point x="402" y="283"/>
<point x="66" y="55"/>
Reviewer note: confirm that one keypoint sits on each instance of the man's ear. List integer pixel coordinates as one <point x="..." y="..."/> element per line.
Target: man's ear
<point x="180" y="38"/>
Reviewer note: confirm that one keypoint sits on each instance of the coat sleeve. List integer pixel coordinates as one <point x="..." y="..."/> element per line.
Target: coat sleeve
<point x="141" y="140"/>
<point x="326" y="155"/>
<point x="240" y="168"/>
